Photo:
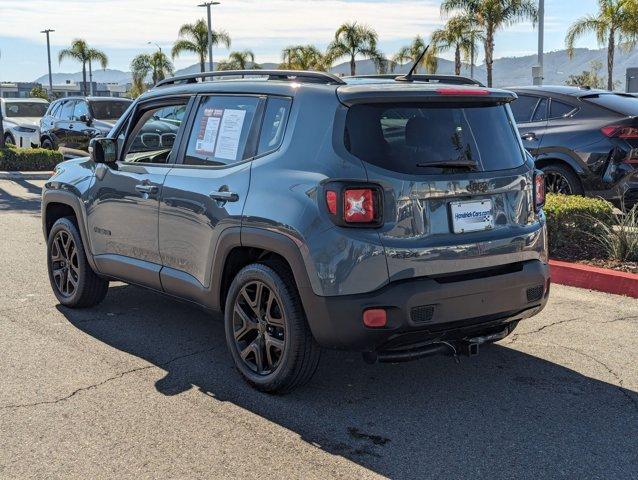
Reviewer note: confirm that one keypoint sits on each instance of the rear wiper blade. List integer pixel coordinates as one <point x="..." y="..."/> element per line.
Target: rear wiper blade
<point x="449" y="164"/>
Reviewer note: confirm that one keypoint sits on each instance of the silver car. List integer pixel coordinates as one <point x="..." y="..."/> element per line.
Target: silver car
<point x="21" y="120"/>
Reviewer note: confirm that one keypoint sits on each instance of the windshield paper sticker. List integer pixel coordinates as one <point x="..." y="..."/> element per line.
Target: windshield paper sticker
<point x="232" y="124"/>
<point x="208" y="129"/>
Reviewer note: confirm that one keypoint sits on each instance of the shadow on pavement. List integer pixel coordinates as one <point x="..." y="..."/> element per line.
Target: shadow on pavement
<point x="504" y="414"/>
<point x="29" y="202"/>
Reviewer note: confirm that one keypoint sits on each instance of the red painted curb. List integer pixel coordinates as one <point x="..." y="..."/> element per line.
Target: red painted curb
<point x="594" y="278"/>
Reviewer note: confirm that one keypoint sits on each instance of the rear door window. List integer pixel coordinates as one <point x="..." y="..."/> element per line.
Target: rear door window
<point x="523" y="108"/>
<point x="428" y="138"/>
<point x="221" y="131"/>
<point x="560" y="109"/>
<point x="540" y="115"/>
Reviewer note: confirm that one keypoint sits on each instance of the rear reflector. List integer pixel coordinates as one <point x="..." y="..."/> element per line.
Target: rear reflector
<point x="375" y="318"/>
<point x="358" y="205"/>
<point x="462" y="91"/>
<point x="331" y="201"/>
<point x="539" y="189"/>
<point x="619" y="131"/>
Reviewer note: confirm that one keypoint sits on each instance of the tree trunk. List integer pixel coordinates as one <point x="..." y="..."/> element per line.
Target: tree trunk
<point x="610" y="59"/>
<point x="202" y="63"/>
<point x="84" y="78"/>
<point x="90" y="77"/>
<point x="489" y="52"/>
<point x="353" y="66"/>
<point x="457" y="60"/>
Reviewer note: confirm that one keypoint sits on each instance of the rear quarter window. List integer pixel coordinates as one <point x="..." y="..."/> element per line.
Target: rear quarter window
<point x="430" y="138"/>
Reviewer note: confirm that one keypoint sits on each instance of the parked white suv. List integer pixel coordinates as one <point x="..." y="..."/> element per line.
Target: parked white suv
<point x="21" y="120"/>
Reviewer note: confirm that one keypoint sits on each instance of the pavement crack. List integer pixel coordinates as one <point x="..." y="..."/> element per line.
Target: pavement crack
<point x="103" y="382"/>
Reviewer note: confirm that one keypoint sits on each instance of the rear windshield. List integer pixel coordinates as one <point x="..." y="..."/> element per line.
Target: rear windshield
<point x="623" y="104"/>
<point x="427" y="138"/>
<point x="25" y="109"/>
<point x="108" y="110"/>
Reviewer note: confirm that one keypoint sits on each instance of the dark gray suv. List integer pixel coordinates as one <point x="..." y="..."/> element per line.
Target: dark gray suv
<point x="397" y="218"/>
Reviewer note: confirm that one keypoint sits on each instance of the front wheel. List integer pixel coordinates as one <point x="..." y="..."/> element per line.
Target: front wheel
<point x="266" y="329"/>
<point x="48" y="144"/>
<point x="9" y="140"/>
<point x="73" y="281"/>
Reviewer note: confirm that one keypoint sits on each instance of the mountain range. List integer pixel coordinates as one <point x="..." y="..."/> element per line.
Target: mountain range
<point x="508" y="71"/>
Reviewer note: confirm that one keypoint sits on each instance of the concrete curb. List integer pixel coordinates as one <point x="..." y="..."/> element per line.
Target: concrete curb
<point x="594" y="278"/>
<point x="25" y="175"/>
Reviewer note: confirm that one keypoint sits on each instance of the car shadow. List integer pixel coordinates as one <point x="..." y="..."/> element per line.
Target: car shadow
<point x="29" y="203"/>
<point x="503" y="414"/>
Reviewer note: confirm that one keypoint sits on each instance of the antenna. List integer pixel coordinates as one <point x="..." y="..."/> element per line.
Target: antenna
<point x="408" y="76"/>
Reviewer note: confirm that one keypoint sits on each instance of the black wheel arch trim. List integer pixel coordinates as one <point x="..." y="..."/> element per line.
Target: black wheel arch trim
<point x="71" y="200"/>
<point x="571" y="159"/>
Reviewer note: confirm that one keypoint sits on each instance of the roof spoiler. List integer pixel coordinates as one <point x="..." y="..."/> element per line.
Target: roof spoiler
<point x="285" y="75"/>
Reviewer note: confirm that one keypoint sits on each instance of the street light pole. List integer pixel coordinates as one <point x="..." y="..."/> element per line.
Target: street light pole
<point x="210" y="32"/>
<point x="47" y="32"/>
<point x="537" y="72"/>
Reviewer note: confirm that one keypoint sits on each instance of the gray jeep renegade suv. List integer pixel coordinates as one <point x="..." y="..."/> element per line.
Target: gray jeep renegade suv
<point x="396" y="218"/>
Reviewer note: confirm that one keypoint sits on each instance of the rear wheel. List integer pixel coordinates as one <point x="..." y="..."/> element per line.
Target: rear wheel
<point x="48" y="144"/>
<point x="561" y="179"/>
<point x="266" y="329"/>
<point x="73" y="281"/>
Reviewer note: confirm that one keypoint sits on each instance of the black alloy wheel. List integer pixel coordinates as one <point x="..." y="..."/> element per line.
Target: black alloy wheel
<point x="65" y="263"/>
<point x="555" y="182"/>
<point x="259" y="327"/>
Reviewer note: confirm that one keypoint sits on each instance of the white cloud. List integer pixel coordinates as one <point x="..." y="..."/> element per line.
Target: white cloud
<point x="131" y="24"/>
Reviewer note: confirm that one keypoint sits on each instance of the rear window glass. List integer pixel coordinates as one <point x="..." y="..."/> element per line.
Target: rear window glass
<point x="624" y="104"/>
<point x="428" y="138"/>
<point x="107" y="110"/>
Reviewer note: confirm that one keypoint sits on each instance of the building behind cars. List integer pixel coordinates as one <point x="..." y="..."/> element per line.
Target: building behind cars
<point x="585" y="140"/>
<point x="21" y="120"/>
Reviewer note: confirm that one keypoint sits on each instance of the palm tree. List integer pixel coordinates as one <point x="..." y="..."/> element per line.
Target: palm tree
<point x="351" y="40"/>
<point x="304" y="57"/>
<point x="99" y="56"/>
<point x="157" y="64"/>
<point x="460" y="34"/>
<point x="614" y="24"/>
<point x="492" y="15"/>
<point x="194" y="38"/>
<point x="79" y="51"/>
<point x="239" y="61"/>
<point x="411" y="53"/>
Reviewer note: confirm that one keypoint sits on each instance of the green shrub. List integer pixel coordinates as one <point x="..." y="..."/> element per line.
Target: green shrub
<point x="28" y="159"/>
<point x="575" y="226"/>
<point x="620" y="240"/>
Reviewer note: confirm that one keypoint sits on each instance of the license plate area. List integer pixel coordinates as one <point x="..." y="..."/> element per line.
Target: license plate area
<point x="472" y="216"/>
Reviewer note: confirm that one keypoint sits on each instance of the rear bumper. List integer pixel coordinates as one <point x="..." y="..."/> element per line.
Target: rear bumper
<point x="422" y="310"/>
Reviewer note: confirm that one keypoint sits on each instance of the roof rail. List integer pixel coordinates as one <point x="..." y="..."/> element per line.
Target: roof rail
<point x="450" y="79"/>
<point x="286" y="75"/>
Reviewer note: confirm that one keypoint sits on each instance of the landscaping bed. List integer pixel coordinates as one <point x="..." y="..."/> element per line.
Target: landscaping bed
<point x="14" y="159"/>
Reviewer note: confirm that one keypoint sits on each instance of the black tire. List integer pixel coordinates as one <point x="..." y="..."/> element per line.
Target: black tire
<point x="74" y="282"/>
<point x="561" y="179"/>
<point x="48" y="144"/>
<point x="9" y="140"/>
<point x="298" y="359"/>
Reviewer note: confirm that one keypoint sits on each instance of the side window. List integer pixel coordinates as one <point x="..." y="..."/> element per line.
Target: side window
<point x="540" y="115"/>
<point x="523" y="108"/>
<point x="152" y="138"/>
<point x="81" y="108"/>
<point x="559" y="109"/>
<point x="67" y="110"/>
<point x="221" y="131"/>
<point x="274" y="124"/>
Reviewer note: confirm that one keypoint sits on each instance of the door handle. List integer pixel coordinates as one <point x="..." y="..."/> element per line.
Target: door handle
<point x="224" y="196"/>
<point x="146" y="188"/>
<point x="529" y="136"/>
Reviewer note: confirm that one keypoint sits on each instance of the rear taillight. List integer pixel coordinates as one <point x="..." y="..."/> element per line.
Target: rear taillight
<point x="620" y="131"/>
<point x="539" y="190"/>
<point x="358" y="205"/>
<point x="353" y="205"/>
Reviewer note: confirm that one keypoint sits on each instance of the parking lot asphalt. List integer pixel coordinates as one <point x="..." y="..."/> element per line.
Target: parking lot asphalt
<point x="142" y="387"/>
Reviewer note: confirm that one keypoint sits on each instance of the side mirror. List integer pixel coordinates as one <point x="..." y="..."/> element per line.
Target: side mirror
<point x="85" y="119"/>
<point x="103" y="150"/>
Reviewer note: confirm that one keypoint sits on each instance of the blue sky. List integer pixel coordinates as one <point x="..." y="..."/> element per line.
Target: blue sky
<point x="122" y="28"/>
